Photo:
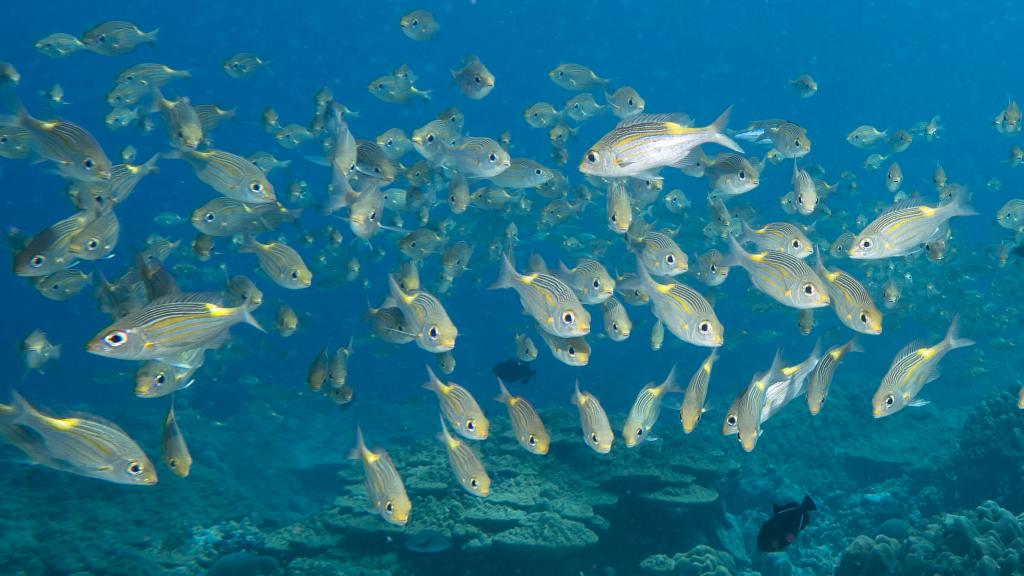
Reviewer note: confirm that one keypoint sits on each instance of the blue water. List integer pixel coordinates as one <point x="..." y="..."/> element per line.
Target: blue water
<point x="269" y="450"/>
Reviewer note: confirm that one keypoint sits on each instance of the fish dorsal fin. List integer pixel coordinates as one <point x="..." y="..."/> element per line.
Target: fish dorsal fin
<point x="678" y="118"/>
<point x="777" y="508"/>
<point x="903" y="204"/>
<point x="909" y="349"/>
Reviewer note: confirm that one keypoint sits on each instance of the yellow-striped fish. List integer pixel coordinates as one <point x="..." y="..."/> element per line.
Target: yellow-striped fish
<point x="661" y="255"/>
<point x="551" y="302"/>
<point x="913" y="367"/>
<point x="781" y="236"/>
<point x="589" y="279"/>
<point x="526" y="423"/>
<point x="82" y="445"/>
<point x="686" y="314"/>
<point x="597" y="432"/>
<point x="641" y="145"/>
<point x="620" y="209"/>
<point x="852" y="303"/>
<point x="573" y="351"/>
<point x="228" y="174"/>
<point x="97" y="239"/>
<point x="821" y="378"/>
<point x="383" y="484"/>
<point x="526" y="350"/>
<point x="156" y="378"/>
<point x="468" y="469"/>
<point x="617" y="325"/>
<point x="73" y="149"/>
<point x="646" y="409"/>
<point x="175" y="451"/>
<point x="169" y="325"/>
<point x="694" y="399"/>
<point x="905" y="228"/>
<point x="751" y="403"/>
<point x="784" y="277"/>
<point x="280" y="262"/>
<point x="426" y="319"/>
<point x="459" y="407"/>
<point x="50" y="250"/>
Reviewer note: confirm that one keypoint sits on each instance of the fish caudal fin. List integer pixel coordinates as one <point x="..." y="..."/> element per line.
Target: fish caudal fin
<point x="808" y="505"/>
<point x="718" y="135"/>
<point x="953" y="339"/>
<point x="506" y="276"/>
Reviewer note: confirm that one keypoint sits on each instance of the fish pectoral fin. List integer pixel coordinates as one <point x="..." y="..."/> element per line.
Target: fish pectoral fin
<point x="918" y="402"/>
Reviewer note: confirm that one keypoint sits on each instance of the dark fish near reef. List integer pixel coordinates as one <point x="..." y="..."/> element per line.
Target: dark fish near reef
<point x="513" y="370"/>
<point x="427" y="542"/>
<point x="782" y="528"/>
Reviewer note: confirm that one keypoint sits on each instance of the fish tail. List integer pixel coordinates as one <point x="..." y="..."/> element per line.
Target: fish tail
<point x="736" y="255"/>
<point x="357" y="452"/>
<point x="248" y="245"/>
<point x="434" y="383"/>
<point x="249" y="319"/>
<point x="816" y="351"/>
<point x="17" y="408"/>
<point x="150" y="165"/>
<point x="717" y="131"/>
<point x="576" y="395"/>
<point x="503" y="395"/>
<point x="959" y="205"/>
<point x="953" y="339"/>
<point x="746" y="232"/>
<point x="854" y="344"/>
<point x="507" y="275"/>
<point x="808" y="505"/>
<point x="671" y="385"/>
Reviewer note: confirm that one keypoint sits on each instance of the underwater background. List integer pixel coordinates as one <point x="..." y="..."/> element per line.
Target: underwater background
<point x="931" y="490"/>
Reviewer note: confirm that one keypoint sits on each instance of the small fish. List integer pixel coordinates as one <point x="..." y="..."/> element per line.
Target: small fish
<point x="676" y="202"/>
<point x="804" y="191"/>
<point x="459" y="408"/>
<point x="280" y="262"/>
<point x="427" y="319"/>
<point x="821" y="377"/>
<point x="783" y="277"/>
<point x="228" y="174"/>
<point x="59" y="45"/>
<point x="157" y="378"/>
<point x="786" y="522"/>
<point x="780" y="236"/>
<point x="661" y="255"/>
<point x="446" y="362"/>
<point x="866" y="137"/>
<point x="383" y="484"/>
<point x="476" y="157"/>
<point x="643" y="144"/>
<point x="939" y="177"/>
<point x="83" y="444"/>
<point x="421" y="243"/>
<point x="597" y="432"/>
<point x="694" y="399"/>
<point x="473" y="78"/>
<point x="625" y="102"/>
<point x="337" y="368"/>
<point x="292" y="136"/>
<point x="526" y="423"/>
<point x="465" y="464"/>
<point x="620" y="210"/>
<point x="840" y="248"/>
<point x="657" y="335"/>
<point x="175" y="451"/>
<point x="119" y="118"/>
<point x="805" y="321"/>
<point x="582" y="107"/>
<point x="419" y="25"/>
<point x="243" y="65"/>
<point x="396" y="90"/>
<point x="526" y="350"/>
<point x="523" y="173"/>
<point x="913" y="367"/>
<point x="900" y="141"/>
<point x="98" y="238"/>
<point x="117" y="37"/>
<point x="643" y="415"/>
<point x="241" y="291"/>
<point x="394" y="142"/>
<point x="573" y="351"/>
<point x="894" y="178"/>
<point x="287" y="322"/>
<point x="150" y="75"/>
<point x="168" y="325"/>
<point x="686" y="314"/>
<point x="549" y="300"/>
<point x="710" y="270"/>
<point x="372" y="161"/>
<point x="589" y="279"/>
<point x="852" y="303"/>
<point x="224" y="216"/>
<point x="62" y="284"/>
<point x="316" y="377"/>
<point x="73" y="149"/>
<point x="36" y="351"/>
<point x="576" y="77"/>
<point x="804" y="86"/>
<point x="542" y="115"/>
<point x="54" y="96"/>
<point x="750" y="403"/>
<point x="49" y="251"/>
<point x="731" y="174"/>
<point x="617" y="325"/>
<point x="905" y="227"/>
<point x="184" y="126"/>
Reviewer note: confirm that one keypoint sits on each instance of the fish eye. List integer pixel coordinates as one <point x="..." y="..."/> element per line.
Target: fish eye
<point x="477" y="79"/>
<point x="864" y="317"/>
<point x="415" y="23"/>
<point x="538" y="172"/>
<point x="135" y="468"/>
<point x="797" y="142"/>
<point x="639" y="432"/>
<point x="373" y="215"/>
<point x="380" y="86"/>
<point x="430" y="138"/>
<point x="593" y="437"/>
<point x="596" y="283"/>
<point x="210" y="216"/>
<point x="713" y="269"/>
<point x="294" y="274"/>
<point x="615" y="218"/>
<point x="592" y="157"/>
<point x="571" y="351"/>
<point x="389" y="507"/>
<point x="432" y="332"/>
<point x="532" y="440"/>
<point x="630" y="101"/>
<point x="88" y="164"/>
<point x="92" y="244"/>
<point x="890" y="400"/>
<point x="568" y="318"/>
<point x="796" y="243"/>
<point x="37" y="261"/>
<point x="473" y="483"/>
<point x="492" y="157"/>
<point x="116" y="338"/>
<point x="743" y="175"/>
<point x="865" y="243"/>
<point x="704" y="327"/>
<point x="809" y="289"/>
<point x="160" y="378"/>
<point x="470" y="425"/>
<point x="561" y="74"/>
<point x="256" y="187"/>
<point x="731" y="420"/>
<point x="670" y="259"/>
<point x="615" y="326"/>
<point x="376" y="169"/>
<point x="102" y="38"/>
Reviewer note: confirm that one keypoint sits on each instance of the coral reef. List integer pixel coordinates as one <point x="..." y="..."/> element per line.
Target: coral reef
<point x="989" y="462"/>
<point x="700" y="561"/>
